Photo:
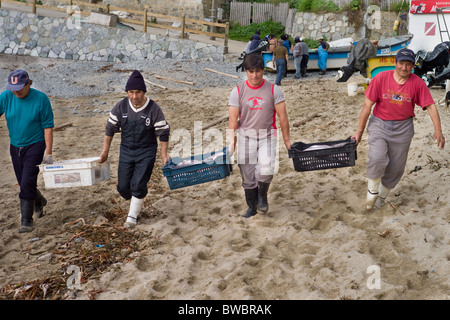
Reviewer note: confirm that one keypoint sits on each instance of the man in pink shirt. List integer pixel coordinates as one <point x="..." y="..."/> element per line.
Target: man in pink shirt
<point x="394" y="94"/>
<point x="253" y="107"/>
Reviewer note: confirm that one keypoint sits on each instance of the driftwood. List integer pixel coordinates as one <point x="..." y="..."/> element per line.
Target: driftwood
<point x="215" y="122"/>
<point x="62" y="126"/>
<point x="156" y="85"/>
<point x="225" y="74"/>
<point x="180" y="81"/>
<point x="302" y="122"/>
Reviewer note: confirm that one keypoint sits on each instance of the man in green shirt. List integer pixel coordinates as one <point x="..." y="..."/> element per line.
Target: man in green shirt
<point x="29" y="118"/>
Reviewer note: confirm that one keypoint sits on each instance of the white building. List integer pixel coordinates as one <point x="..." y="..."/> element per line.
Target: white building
<point x="428" y="26"/>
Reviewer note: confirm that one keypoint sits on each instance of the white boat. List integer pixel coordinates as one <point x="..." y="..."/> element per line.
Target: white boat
<point x="339" y="52"/>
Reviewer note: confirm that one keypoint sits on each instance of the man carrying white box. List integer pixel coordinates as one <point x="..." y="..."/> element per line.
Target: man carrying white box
<point x="29" y="117"/>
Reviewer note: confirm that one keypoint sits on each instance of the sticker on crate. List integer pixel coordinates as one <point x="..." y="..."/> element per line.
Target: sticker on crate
<point x="67" y="178"/>
<point x="323" y="155"/>
<point x="188" y="171"/>
<point x="75" y="173"/>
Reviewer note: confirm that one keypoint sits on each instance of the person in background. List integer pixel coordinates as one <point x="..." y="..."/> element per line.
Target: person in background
<point x="273" y="42"/>
<point x="29" y="117"/>
<point x="323" y="55"/>
<point x="140" y="121"/>
<point x="394" y="93"/>
<point x="298" y="56"/>
<point x="255" y="40"/>
<point x="280" y="60"/>
<point x="287" y="43"/>
<point x="253" y="106"/>
<point x="305" y="59"/>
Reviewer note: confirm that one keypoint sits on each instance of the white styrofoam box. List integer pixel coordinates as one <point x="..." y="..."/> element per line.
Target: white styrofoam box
<point x="75" y="173"/>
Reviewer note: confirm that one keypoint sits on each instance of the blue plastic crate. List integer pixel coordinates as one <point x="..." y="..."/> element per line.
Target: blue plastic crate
<point x="192" y="174"/>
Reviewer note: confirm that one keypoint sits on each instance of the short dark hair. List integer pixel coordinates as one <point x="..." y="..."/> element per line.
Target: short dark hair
<point x="253" y="61"/>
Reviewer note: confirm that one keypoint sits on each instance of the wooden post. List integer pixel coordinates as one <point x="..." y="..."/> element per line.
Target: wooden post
<point x="213" y="19"/>
<point x="70" y="8"/>
<point x="34" y="6"/>
<point x="145" y="20"/>
<point x="225" y="42"/>
<point x="107" y="8"/>
<point x="183" y="25"/>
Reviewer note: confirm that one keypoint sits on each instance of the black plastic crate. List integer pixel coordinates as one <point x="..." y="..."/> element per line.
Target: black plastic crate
<point x="337" y="154"/>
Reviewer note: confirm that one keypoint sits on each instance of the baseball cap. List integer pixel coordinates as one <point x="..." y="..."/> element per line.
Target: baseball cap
<point x="405" y="54"/>
<point x="17" y="80"/>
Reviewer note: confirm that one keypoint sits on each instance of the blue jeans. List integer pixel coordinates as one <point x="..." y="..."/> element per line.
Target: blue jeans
<point x="298" y="62"/>
<point x="281" y="66"/>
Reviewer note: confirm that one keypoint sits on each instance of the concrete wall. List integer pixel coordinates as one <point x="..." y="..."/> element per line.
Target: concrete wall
<point x="29" y="34"/>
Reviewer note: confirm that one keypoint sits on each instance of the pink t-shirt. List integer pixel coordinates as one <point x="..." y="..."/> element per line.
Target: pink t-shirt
<point x="395" y="101"/>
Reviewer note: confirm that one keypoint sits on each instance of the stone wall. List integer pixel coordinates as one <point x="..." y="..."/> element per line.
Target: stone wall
<point x="191" y="8"/>
<point x="335" y="26"/>
<point x="29" y="34"/>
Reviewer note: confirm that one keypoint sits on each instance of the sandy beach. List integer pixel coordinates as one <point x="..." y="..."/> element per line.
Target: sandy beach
<point x="316" y="241"/>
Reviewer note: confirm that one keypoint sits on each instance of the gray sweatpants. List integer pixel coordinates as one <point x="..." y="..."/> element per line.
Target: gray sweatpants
<point x="256" y="160"/>
<point x="389" y="143"/>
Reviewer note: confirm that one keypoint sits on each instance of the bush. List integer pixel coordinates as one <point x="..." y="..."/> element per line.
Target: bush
<point x="244" y="33"/>
<point x="313" y="5"/>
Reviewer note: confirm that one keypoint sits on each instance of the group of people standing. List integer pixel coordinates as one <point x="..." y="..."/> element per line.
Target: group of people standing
<point x="300" y="51"/>
<point x="253" y="106"/>
<point x="282" y="50"/>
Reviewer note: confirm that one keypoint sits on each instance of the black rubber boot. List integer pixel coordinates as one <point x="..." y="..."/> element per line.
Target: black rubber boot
<point x="263" y="205"/>
<point x="26" y="212"/>
<point x="251" y="196"/>
<point x="39" y="203"/>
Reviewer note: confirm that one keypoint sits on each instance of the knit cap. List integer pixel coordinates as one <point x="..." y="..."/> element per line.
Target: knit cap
<point x="136" y="82"/>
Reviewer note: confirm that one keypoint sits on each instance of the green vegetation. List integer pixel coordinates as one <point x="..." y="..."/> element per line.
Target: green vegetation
<point x="314" y="5"/>
<point x="244" y="33"/>
<point x="240" y="33"/>
<point x="398" y="7"/>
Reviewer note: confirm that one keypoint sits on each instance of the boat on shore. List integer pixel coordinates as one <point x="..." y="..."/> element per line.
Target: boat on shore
<point x="339" y="52"/>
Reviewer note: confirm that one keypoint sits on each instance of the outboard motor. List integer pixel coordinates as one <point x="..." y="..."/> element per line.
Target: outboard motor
<point x="356" y="61"/>
<point x="262" y="46"/>
<point x="436" y="60"/>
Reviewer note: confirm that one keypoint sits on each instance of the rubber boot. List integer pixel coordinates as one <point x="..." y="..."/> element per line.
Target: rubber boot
<point x="26" y="213"/>
<point x="39" y="203"/>
<point x="251" y="197"/>
<point x="135" y="209"/>
<point x="304" y="72"/>
<point x="372" y="192"/>
<point x="383" y="192"/>
<point x="263" y="205"/>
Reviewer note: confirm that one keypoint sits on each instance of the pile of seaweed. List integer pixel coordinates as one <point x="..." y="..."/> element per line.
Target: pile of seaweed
<point x="88" y="251"/>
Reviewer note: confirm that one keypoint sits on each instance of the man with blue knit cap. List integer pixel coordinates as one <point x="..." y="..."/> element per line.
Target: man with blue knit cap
<point x="29" y="117"/>
<point x="140" y="121"/>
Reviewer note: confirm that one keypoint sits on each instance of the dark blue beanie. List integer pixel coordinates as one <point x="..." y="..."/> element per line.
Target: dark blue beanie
<point x="136" y="82"/>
